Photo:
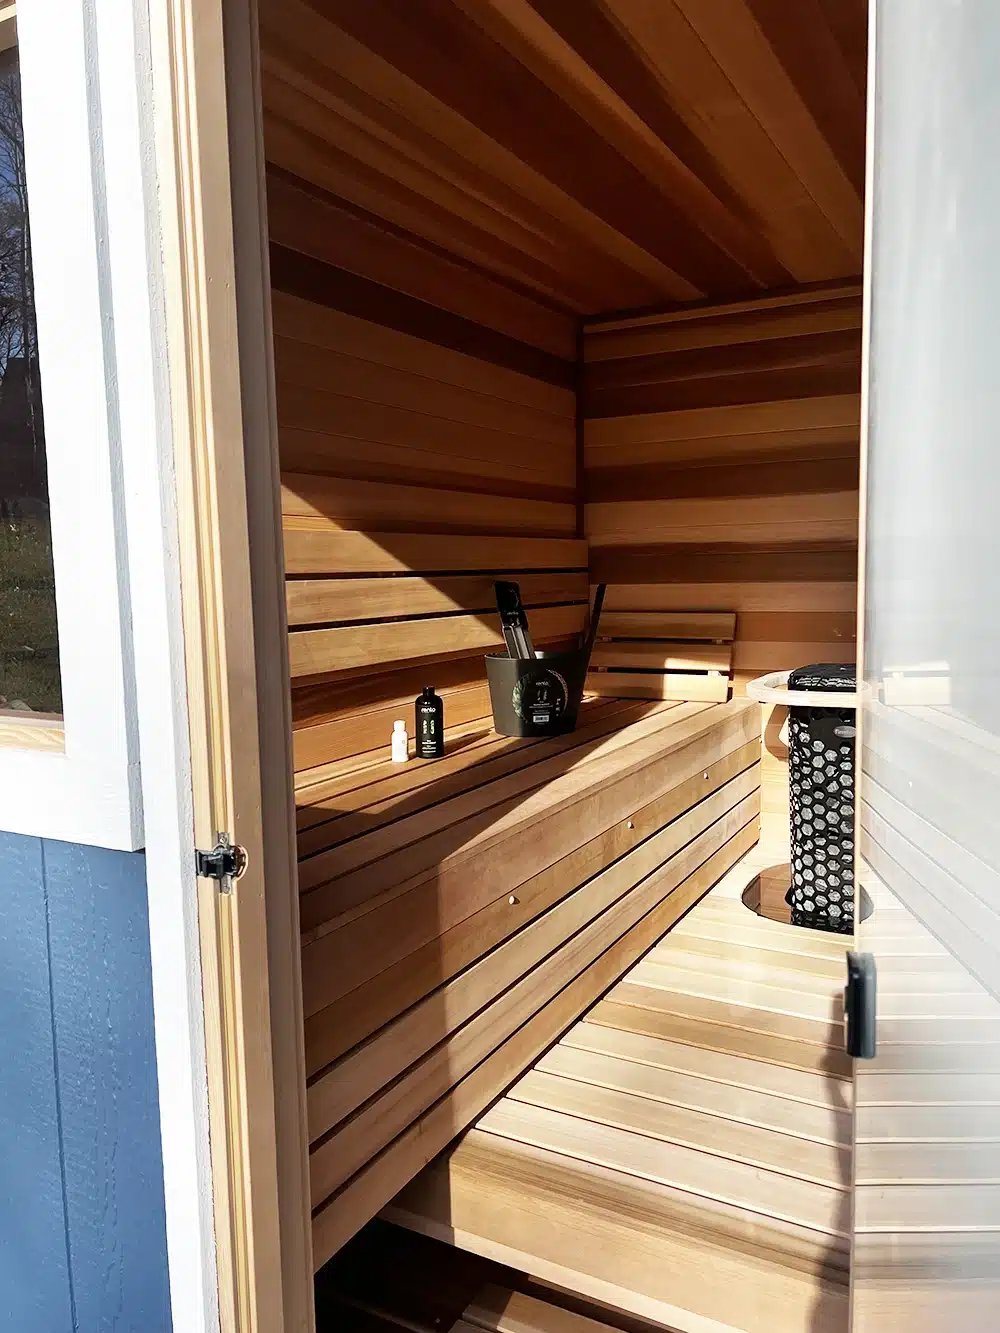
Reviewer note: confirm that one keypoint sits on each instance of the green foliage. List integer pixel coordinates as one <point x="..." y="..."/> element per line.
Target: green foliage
<point x="29" y="648"/>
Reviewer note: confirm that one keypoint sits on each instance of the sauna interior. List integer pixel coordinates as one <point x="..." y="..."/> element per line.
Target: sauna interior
<point x="569" y="292"/>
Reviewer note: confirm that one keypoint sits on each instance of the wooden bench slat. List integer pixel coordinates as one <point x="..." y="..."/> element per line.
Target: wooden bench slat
<point x="356" y="1078"/>
<point x="341" y="1025"/>
<point x="474" y="870"/>
<point x="466" y="745"/>
<point x="395" y="797"/>
<point x="458" y="915"/>
<point x="557" y="765"/>
<point x="619" y="899"/>
<point x="373" y="1186"/>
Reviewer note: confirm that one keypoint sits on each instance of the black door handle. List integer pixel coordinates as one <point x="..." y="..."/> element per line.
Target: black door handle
<point x="859" y="1006"/>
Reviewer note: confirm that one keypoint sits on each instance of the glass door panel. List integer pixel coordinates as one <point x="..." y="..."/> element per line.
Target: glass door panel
<point x="926" y="1252"/>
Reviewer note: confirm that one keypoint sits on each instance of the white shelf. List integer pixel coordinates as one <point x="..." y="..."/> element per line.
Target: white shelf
<point x="773" y="689"/>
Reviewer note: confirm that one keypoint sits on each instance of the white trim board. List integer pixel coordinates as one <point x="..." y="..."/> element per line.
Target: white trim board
<point x="127" y="32"/>
<point x="91" y="792"/>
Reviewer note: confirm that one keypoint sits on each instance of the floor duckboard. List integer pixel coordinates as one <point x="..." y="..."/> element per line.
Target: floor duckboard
<point x="683" y="1153"/>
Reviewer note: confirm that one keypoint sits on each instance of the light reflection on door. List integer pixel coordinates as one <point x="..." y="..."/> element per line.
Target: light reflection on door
<point x="927" y="1162"/>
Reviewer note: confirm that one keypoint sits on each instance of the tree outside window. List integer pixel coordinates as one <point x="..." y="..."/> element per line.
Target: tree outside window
<point x="29" y="651"/>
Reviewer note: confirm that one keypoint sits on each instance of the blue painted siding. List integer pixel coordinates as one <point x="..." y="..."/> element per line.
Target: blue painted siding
<point x="82" y="1231"/>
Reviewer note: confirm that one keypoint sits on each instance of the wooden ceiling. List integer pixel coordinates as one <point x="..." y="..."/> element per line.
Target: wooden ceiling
<point x="598" y="154"/>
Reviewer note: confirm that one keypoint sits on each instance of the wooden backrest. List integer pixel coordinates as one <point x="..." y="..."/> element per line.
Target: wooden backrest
<point x="360" y="602"/>
<point x="657" y="654"/>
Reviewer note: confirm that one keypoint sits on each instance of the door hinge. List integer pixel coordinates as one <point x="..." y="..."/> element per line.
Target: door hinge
<point x="859" y="1006"/>
<point x="225" y="863"/>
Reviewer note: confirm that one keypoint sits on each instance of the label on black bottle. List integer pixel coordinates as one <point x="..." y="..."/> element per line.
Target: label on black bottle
<point x="540" y="698"/>
<point x="428" y="737"/>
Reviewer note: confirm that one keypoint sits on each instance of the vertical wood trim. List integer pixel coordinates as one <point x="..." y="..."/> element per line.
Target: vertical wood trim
<point x="860" y="719"/>
<point x="199" y="260"/>
<point x="579" y="422"/>
<point x="274" y="704"/>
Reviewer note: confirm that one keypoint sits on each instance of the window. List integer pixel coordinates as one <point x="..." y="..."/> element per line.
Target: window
<point x="29" y="650"/>
<point x="75" y="339"/>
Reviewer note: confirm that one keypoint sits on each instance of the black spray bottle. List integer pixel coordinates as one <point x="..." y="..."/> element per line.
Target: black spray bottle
<point x="429" y="710"/>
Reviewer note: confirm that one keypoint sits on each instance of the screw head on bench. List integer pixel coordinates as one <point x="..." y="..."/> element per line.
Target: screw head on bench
<point x="705" y="775"/>
<point x="512" y="900"/>
<point x="630" y="824"/>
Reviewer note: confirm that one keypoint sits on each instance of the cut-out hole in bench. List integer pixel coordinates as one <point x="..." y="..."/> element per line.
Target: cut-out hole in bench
<point x="765" y="896"/>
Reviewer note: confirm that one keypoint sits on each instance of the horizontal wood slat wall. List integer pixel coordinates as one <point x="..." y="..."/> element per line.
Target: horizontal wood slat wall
<point x="721" y="474"/>
<point x="427" y="423"/>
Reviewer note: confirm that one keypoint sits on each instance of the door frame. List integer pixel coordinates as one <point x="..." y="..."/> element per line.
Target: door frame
<point x="205" y="125"/>
<point x="866" y="318"/>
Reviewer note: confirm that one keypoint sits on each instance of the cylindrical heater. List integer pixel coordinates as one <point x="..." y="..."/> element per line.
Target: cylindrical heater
<point x="821" y="746"/>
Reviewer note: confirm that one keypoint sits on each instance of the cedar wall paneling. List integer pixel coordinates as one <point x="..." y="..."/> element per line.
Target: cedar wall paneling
<point x="600" y="154"/>
<point x="427" y="424"/>
<point x="721" y="474"/>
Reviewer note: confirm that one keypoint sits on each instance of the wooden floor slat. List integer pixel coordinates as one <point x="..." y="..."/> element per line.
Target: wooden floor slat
<point x="709" y="1084"/>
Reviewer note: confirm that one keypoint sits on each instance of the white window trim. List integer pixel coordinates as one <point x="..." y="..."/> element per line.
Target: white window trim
<point x="90" y="791"/>
<point x="91" y="139"/>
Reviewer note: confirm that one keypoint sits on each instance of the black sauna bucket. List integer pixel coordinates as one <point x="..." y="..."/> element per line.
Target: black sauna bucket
<point x="537" y="697"/>
<point x="540" y="696"/>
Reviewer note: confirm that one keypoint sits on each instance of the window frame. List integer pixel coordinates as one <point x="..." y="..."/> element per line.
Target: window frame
<point x="76" y="779"/>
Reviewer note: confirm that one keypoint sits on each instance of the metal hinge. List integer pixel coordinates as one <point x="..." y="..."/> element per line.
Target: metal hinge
<point x="226" y="862"/>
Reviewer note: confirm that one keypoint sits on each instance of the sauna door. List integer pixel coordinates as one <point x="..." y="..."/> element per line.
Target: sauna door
<point x="926" y="1244"/>
<point x="210" y="179"/>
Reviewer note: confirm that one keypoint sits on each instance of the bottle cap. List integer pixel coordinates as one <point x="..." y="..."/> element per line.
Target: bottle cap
<point x="428" y="691"/>
<point x="399" y="725"/>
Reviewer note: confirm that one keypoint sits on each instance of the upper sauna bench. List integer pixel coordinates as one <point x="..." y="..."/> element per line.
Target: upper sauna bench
<point x="459" y="915"/>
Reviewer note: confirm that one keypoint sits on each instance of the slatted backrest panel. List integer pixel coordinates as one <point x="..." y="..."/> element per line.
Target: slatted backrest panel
<point x="350" y="611"/>
<point x="650" y="654"/>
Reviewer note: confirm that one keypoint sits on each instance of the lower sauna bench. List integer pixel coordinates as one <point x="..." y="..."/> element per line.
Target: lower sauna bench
<point x="683" y="1153"/>
<point x="460" y="915"/>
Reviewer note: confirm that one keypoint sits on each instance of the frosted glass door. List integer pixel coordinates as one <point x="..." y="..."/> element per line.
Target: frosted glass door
<point x="927" y="1162"/>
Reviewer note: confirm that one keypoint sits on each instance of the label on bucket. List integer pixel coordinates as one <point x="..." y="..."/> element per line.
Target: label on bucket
<point x="541" y="697"/>
<point x="845" y="731"/>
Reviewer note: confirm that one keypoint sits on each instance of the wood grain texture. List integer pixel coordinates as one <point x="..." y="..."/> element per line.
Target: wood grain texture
<point x="621" y="684"/>
<point x="515" y="991"/>
<point x="451" y="187"/>
<point x="746" y="499"/>
<point x="634" y="656"/>
<point x="311" y="550"/>
<point x="372" y="1187"/>
<point x="394" y="1034"/>
<point x="498" y="1310"/>
<point x="345" y="259"/>
<point x="314" y="652"/>
<point x="637" y="1167"/>
<point x="582" y="157"/>
<point x="327" y="601"/>
<point x="335" y="1029"/>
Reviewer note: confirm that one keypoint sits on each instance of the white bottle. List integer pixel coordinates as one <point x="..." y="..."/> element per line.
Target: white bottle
<point x="400" y="743"/>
